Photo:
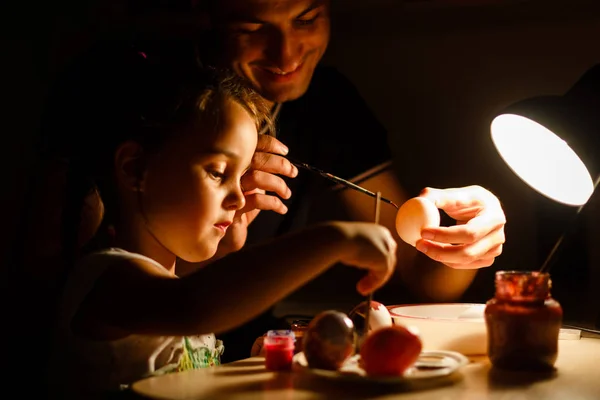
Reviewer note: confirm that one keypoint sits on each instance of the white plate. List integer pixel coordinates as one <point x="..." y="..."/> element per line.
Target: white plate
<point x="446" y="362"/>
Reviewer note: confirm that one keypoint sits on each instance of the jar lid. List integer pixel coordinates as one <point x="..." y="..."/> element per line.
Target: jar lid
<point x="283" y="338"/>
<point x="522" y="285"/>
<point x="281" y="333"/>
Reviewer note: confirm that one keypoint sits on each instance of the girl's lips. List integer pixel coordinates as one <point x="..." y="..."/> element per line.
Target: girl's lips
<point x="222" y="225"/>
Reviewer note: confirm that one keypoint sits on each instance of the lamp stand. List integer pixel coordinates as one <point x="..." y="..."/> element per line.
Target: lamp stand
<point x="570" y="227"/>
<point x="552" y="256"/>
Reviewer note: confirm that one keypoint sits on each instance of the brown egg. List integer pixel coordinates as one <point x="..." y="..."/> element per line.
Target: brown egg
<point x="414" y="215"/>
<point x="329" y="340"/>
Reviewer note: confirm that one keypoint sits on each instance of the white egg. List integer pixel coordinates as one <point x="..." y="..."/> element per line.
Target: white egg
<point x="413" y="216"/>
<point x="379" y="316"/>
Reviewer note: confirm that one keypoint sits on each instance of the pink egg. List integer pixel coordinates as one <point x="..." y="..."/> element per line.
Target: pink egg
<point x="413" y="216"/>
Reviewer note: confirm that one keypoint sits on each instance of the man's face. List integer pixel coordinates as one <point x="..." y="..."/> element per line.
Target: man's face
<point x="274" y="44"/>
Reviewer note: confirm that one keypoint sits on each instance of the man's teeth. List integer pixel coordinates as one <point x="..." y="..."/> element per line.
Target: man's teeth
<point x="278" y="71"/>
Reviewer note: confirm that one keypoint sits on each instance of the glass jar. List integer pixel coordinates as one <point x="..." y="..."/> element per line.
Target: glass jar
<point x="523" y="322"/>
<point x="299" y="326"/>
<point x="279" y="350"/>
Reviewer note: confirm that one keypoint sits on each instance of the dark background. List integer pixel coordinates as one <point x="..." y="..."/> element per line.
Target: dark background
<point x="434" y="72"/>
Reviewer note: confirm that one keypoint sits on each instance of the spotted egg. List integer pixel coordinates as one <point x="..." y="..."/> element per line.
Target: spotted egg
<point x="378" y="318"/>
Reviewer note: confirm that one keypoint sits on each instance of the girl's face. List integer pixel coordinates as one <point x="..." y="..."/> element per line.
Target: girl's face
<point x="191" y="187"/>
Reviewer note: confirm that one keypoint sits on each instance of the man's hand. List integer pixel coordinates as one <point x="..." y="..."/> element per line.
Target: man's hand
<point x="476" y="239"/>
<point x="263" y="177"/>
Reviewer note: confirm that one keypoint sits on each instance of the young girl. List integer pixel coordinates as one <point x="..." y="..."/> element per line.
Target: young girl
<point x="166" y="150"/>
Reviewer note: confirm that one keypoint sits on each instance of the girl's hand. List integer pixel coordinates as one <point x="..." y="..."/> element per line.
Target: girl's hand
<point x="368" y="246"/>
<point x="258" y="349"/>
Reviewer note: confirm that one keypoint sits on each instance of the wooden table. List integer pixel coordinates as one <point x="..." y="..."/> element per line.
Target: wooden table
<point x="577" y="377"/>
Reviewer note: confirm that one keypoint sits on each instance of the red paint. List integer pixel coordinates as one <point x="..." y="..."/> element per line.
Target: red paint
<point x="523" y="322"/>
<point x="278" y="353"/>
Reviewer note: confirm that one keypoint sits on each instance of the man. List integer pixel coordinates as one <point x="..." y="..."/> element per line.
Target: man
<point x="277" y="46"/>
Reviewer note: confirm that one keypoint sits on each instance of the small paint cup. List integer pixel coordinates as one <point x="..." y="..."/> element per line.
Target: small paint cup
<point x="279" y="350"/>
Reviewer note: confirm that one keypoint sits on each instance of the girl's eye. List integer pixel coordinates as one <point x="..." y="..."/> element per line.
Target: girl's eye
<point x="216" y="175"/>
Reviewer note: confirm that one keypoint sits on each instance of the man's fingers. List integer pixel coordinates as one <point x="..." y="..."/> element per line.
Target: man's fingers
<point x="474" y="230"/>
<point x="264" y="202"/>
<point x="463" y="197"/>
<point x="267" y="182"/>
<point x="273" y="164"/>
<point x="269" y="144"/>
<point x="463" y="254"/>
<point x="485" y="261"/>
<point x="465" y="203"/>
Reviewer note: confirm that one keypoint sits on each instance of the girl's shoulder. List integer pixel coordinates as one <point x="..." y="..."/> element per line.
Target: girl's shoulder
<point x="109" y="256"/>
<point x="90" y="267"/>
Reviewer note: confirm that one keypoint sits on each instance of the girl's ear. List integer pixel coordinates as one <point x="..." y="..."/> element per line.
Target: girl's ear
<point x="130" y="165"/>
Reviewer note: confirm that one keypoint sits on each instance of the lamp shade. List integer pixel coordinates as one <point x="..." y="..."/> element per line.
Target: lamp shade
<point x="553" y="142"/>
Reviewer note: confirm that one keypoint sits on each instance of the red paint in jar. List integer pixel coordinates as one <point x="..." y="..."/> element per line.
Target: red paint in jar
<point x="279" y="350"/>
<point x="523" y="322"/>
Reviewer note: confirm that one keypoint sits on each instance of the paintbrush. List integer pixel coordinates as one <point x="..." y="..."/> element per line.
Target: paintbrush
<point x="370" y="296"/>
<point x="339" y="180"/>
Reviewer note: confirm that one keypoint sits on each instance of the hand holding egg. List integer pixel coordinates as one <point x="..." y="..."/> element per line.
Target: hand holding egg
<point x="478" y="235"/>
<point x="414" y="215"/>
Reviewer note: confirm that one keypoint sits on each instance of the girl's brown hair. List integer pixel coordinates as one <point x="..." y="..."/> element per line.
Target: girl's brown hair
<point x="116" y="94"/>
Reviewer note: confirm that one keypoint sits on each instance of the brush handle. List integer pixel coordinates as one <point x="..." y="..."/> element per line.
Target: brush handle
<point x="370" y="296"/>
<point x="341" y="181"/>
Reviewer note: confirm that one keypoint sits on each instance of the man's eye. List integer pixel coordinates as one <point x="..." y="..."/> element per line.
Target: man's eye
<point x="309" y="21"/>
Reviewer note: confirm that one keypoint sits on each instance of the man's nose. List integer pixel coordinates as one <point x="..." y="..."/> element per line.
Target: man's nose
<point x="285" y="51"/>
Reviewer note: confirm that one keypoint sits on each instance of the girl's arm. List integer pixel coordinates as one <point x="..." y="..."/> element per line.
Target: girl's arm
<point x="132" y="297"/>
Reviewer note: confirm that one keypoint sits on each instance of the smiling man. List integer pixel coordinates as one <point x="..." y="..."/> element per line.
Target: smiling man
<point x="277" y="45"/>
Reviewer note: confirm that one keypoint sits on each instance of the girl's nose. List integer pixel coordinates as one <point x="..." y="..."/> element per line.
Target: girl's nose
<point x="236" y="199"/>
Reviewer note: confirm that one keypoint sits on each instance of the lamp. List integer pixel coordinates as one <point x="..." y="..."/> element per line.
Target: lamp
<point x="553" y="143"/>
